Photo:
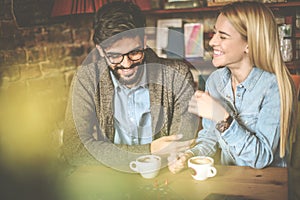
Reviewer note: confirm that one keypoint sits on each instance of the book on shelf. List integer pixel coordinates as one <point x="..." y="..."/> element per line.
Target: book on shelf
<point x="193" y="40"/>
<point x="176" y="39"/>
<point x="163" y="32"/>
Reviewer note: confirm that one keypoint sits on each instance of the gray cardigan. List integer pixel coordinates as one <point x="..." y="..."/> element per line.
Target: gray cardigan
<point x="89" y="129"/>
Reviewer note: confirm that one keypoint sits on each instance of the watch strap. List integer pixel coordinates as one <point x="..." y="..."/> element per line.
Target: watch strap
<point x="223" y="125"/>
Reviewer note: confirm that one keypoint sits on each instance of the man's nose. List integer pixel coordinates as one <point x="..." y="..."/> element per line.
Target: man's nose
<point x="126" y="62"/>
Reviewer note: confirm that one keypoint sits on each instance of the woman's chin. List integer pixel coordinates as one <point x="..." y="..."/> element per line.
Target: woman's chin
<point x="217" y="64"/>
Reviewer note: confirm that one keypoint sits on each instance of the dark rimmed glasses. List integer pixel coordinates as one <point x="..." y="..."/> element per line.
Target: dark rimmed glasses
<point x="117" y="58"/>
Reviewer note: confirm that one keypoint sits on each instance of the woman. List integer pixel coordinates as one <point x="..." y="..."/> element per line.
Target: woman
<point x="249" y="106"/>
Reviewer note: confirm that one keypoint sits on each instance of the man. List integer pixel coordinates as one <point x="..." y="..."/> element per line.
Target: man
<point x="125" y="101"/>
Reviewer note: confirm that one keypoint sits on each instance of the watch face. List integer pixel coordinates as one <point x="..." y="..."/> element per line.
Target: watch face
<point x="224" y="124"/>
<point x="220" y="126"/>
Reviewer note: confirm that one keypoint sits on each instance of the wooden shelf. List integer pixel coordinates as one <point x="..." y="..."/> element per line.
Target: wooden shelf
<point x="181" y="10"/>
<point x="283" y="4"/>
<point x="213" y="8"/>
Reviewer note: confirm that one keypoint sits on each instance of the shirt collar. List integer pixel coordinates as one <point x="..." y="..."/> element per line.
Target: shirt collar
<point x="250" y="81"/>
<point x="252" y="78"/>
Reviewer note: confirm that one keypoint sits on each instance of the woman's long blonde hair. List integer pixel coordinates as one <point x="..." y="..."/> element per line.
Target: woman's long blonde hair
<point x="256" y="23"/>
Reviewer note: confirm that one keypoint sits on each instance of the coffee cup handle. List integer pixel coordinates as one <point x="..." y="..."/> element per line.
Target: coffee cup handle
<point x="133" y="166"/>
<point x="212" y="172"/>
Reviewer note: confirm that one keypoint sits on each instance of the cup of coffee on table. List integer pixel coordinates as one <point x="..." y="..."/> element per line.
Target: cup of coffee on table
<point x="202" y="167"/>
<point x="148" y="166"/>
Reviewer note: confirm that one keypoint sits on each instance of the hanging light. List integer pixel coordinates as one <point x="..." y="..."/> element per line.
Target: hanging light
<point x="70" y="7"/>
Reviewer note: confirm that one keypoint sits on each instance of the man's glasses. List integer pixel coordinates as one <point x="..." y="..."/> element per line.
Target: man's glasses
<point x="116" y="58"/>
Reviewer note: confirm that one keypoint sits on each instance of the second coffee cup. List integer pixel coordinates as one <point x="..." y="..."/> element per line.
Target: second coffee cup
<point x="202" y="167"/>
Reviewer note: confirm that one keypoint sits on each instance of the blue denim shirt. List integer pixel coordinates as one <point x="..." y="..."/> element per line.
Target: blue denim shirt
<point x="132" y="113"/>
<point x="254" y="135"/>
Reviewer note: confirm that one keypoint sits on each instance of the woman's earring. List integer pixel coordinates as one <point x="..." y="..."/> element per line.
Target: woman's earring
<point x="246" y="50"/>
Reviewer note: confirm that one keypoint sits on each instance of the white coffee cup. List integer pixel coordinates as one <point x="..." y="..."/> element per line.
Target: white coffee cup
<point x="202" y="167"/>
<point x="148" y="166"/>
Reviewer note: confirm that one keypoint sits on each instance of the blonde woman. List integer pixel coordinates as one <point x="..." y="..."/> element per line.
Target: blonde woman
<point x="249" y="105"/>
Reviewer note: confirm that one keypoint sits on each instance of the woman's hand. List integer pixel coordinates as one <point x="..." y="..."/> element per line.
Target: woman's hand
<point x="176" y="163"/>
<point x="203" y="105"/>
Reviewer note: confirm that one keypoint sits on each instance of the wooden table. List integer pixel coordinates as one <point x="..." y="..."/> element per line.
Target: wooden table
<point x="231" y="182"/>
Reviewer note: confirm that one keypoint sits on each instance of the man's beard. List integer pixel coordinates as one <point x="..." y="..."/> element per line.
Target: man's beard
<point x="133" y="80"/>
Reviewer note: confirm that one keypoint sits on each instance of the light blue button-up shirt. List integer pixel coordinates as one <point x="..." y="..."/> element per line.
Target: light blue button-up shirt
<point x="254" y="135"/>
<point x="132" y="117"/>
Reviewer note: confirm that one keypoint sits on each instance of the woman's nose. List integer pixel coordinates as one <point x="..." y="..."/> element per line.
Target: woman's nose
<point x="212" y="41"/>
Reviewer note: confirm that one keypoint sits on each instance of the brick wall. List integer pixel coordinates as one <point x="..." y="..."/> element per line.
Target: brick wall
<point x="36" y="66"/>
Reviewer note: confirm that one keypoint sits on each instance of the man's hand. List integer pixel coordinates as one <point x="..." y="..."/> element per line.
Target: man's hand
<point x="170" y="145"/>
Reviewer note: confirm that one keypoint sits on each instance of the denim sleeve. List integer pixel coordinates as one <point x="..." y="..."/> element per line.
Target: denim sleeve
<point x="206" y="142"/>
<point x="256" y="146"/>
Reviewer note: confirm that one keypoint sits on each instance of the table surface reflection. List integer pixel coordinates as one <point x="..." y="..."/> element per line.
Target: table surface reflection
<point x="230" y="183"/>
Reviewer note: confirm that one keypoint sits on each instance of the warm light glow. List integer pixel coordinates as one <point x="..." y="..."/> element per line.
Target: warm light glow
<point x="69" y="7"/>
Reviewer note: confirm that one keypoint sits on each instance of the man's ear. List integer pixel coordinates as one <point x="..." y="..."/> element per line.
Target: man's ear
<point x="100" y="50"/>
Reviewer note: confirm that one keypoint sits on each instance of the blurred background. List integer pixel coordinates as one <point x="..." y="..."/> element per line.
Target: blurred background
<point x="42" y="42"/>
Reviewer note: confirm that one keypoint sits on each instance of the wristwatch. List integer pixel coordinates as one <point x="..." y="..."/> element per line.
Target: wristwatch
<point x="223" y="125"/>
